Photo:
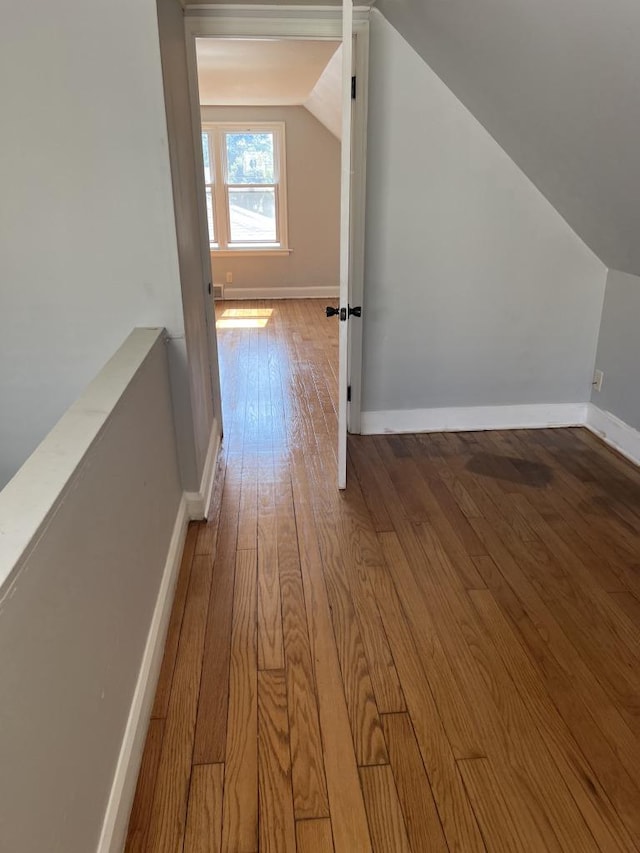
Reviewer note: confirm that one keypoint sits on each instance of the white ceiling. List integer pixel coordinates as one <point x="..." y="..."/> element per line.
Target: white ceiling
<point x="260" y="72"/>
<point x="557" y="84"/>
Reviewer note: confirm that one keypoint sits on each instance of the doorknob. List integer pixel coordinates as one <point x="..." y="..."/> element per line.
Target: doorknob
<point x="336" y="312"/>
<point x="356" y="312"/>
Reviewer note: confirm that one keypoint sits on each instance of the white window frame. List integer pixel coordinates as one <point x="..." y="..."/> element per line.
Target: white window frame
<point x="220" y="189"/>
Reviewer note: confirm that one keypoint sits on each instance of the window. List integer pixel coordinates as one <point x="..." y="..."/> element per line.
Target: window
<point x="244" y="175"/>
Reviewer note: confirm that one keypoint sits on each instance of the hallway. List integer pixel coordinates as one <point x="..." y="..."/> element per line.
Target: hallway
<point x="443" y="657"/>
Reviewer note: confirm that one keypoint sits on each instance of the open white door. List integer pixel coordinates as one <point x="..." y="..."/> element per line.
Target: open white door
<point x="345" y="237"/>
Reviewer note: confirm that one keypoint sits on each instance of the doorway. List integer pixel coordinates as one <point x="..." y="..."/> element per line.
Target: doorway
<point x="271" y="127"/>
<point x="261" y="204"/>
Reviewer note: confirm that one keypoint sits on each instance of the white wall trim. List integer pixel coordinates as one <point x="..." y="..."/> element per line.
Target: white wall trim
<point x="280" y="21"/>
<point x="614" y="432"/>
<point x="116" y="819"/>
<point x="198" y="502"/>
<point x="471" y="418"/>
<point x="281" y="292"/>
<point x="193" y="506"/>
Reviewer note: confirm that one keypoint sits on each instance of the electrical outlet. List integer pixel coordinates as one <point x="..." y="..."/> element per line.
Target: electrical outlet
<point x="229" y="278"/>
<point x="598" y="378"/>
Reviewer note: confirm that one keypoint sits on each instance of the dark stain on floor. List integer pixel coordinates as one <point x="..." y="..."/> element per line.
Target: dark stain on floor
<point x="511" y="469"/>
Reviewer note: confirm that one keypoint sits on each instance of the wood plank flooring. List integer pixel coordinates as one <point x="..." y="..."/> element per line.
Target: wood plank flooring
<point x="443" y="657"/>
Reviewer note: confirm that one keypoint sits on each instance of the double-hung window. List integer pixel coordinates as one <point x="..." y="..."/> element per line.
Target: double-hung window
<point x="245" y="182"/>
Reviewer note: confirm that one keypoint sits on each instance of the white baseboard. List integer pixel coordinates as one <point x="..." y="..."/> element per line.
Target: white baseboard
<point x="281" y="292"/>
<point x="472" y="418"/>
<point x="198" y="502"/>
<point x="616" y="433"/>
<point x="193" y="505"/>
<point x="114" y="828"/>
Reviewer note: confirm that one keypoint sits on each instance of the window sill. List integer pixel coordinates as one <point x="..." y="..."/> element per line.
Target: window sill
<point x="245" y="252"/>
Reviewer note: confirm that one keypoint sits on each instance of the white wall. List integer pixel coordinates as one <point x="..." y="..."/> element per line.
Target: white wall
<point x="313" y="201"/>
<point x="619" y="349"/>
<point x="76" y="606"/>
<point x="87" y="232"/>
<point x="476" y="291"/>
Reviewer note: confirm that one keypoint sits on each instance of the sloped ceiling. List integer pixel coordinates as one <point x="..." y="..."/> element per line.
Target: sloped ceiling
<point x="557" y="84"/>
<point x="325" y="101"/>
<point x="269" y="72"/>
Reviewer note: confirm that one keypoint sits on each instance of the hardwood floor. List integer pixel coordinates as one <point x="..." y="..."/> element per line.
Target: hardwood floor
<point x="443" y="657"/>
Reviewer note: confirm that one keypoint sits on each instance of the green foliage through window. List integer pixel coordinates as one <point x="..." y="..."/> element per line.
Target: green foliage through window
<point x="250" y="158"/>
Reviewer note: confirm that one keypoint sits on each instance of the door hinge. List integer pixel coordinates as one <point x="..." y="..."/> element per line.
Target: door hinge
<point x="209" y="288"/>
<point x="353" y="88"/>
<point x="348" y="393"/>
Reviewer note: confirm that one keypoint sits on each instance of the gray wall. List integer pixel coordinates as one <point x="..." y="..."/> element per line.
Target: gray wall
<point x="74" y="620"/>
<point x="313" y="196"/>
<point x="87" y="231"/>
<point x="619" y="349"/>
<point x="199" y="391"/>
<point x="476" y="291"/>
<point x="556" y="84"/>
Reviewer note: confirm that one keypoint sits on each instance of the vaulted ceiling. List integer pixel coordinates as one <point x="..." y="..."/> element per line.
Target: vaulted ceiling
<point x="557" y="84"/>
<point x="260" y="71"/>
<point x="273" y="72"/>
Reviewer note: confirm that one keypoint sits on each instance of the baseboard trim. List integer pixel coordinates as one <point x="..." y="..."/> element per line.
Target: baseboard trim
<point x="114" y="827"/>
<point x="198" y="502"/>
<point x="474" y="418"/>
<point x="614" y="432"/>
<point x="281" y="292"/>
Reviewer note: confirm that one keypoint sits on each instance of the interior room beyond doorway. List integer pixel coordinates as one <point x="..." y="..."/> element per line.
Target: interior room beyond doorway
<point x="271" y="119"/>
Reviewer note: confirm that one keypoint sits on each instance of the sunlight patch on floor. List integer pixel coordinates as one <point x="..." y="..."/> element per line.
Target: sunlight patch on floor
<point x="242" y="323"/>
<point x="244" y="318"/>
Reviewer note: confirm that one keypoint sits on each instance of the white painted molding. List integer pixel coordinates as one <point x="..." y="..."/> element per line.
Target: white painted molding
<point x="281" y="292"/>
<point x="273" y="8"/>
<point x="614" y="432"/>
<point x="193" y="506"/>
<point x="198" y="502"/>
<point x="195" y="503"/>
<point x="280" y="21"/>
<point x="114" y="827"/>
<point x="472" y="418"/>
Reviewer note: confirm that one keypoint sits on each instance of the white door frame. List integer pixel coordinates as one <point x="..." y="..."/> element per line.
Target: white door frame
<point x="297" y="23"/>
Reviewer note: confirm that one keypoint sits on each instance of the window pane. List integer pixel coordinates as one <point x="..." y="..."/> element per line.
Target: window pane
<point x="249" y="158"/>
<point x="252" y="215"/>
<point x="205" y="156"/>
<point x="212" y="234"/>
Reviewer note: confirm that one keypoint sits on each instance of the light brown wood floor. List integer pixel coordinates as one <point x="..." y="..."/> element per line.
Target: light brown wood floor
<point x="445" y="656"/>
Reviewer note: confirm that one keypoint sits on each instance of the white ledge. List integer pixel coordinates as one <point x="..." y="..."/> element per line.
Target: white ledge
<point x="251" y="252"/>
<point x="30" y="498"/>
